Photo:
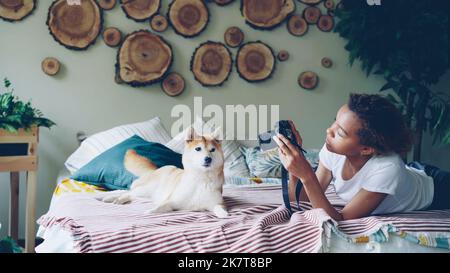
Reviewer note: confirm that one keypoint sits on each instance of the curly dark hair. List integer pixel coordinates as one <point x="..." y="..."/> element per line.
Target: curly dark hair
<point x="384" y="127"/>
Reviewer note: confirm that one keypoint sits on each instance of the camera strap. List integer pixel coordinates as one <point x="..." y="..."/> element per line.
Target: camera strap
<point x="285" y="188"/>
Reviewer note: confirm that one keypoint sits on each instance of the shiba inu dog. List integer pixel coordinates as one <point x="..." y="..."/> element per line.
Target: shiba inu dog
<point x="197" y="187"/>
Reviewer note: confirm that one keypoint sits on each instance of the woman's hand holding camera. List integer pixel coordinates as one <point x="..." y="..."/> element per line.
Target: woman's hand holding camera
<point x="291" y="157"/>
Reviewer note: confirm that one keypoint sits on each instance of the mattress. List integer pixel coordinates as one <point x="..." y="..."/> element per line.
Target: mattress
<point x="414" y="232"/>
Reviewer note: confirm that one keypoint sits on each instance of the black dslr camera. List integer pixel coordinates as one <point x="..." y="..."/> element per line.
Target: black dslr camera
<point x="266" y="142"/>
<point x="282" y="127"/>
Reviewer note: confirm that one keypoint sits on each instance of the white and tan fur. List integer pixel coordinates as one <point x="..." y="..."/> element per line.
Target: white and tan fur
<point x="197" y="187"/>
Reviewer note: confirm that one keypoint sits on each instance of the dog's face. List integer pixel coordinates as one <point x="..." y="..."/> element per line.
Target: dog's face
<point x="203" y="152"/>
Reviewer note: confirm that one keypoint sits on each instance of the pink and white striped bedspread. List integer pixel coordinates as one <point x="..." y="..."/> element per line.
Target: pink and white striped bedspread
<point x="257" y="223"/>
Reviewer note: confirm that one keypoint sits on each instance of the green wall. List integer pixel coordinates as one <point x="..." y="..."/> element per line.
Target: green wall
<point x="84" y="96"/>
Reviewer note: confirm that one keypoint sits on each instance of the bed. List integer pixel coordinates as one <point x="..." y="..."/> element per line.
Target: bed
<point x="258" y="222"/>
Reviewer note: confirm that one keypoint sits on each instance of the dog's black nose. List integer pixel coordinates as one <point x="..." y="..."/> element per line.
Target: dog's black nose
<point x="208" y="160"/>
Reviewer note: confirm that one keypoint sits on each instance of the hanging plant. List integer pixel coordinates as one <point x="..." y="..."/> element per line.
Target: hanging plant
<point x="407" y="42"/>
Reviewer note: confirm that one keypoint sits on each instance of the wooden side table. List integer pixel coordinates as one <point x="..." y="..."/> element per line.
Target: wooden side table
<point x="14" y="161"/>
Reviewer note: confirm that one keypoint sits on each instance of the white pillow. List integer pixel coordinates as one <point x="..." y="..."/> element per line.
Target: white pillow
<point x="152" y="130"/>
<point x="234" y="165"/>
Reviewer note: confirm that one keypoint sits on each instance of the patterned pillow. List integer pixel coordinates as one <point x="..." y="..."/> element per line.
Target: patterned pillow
<point x="251" y="181"/>
<point x="268" y="164"/>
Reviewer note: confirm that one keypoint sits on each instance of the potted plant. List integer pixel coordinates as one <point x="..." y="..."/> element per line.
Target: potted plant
<point x="16" y="116"/>
<point x="408" y="43"/>
<point x="8" y="245"/>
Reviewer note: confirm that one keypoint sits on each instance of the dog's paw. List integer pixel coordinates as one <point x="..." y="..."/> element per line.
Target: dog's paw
<point x="220" y="212"/>
<point x="109" y="196"/>
<point x="149" y="211"/>
<point x="159" y="209"/>
<point x="107" y="199"/>
<point x="103" y="196"/>
<point x="123" y="199"/>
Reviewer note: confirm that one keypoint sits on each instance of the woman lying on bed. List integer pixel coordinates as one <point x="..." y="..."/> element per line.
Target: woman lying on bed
<point x="362" y="152"/>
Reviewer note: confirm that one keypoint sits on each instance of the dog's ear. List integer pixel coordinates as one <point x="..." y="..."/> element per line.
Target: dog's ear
<point x="216" y="134"/>
<point x="191" y="134"/>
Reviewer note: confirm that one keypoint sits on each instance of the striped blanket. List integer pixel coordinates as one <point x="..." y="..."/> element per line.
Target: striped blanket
<point x="257" y="223"/>
<point x="427" y="228"/>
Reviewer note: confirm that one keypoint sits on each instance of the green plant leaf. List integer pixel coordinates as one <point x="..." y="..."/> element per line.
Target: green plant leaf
<point x="6" y="82"/>
<point x="8" y="127"/>
<point x="443" y="111"/>
<point x="8" y="245"/>
<point x="388" y="85"/>
<point x="446" y="138"/>
<point x="16" y="114"/>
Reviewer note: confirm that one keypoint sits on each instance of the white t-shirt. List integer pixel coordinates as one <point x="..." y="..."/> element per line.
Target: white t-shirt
<point x="408" y="189"/>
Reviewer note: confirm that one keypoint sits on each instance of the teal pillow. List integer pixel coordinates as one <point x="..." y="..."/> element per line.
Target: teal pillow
<point x="107" y="169"/>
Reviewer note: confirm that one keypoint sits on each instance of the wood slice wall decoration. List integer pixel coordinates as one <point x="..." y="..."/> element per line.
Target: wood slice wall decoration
<point x="223" y="2"/>
<point x="266" y="14"/>
<point x="188" y="17"/>
<point x="297" y="26"/>
<point x="112" y="36"/>
<point x="325" y="23"/>
<point x="308" y="80"/>
<point x="173" y="84"/>
<point x="143" y="58"/>
<point x="75" y="26"/>
<point x="159" y="23"/>
<point x="233" y="36"/>
<point x="255" y="61"/>
<point x="140" y="10"/>
<point x="107" y="4"/>
<point x="329" y="4"/>
<point x="310" y="2"/>
<point x="283" y="55"/>
<point x="50" y="66"/>
<point x="312" y="14"/>
<point x="16" y="10"/>
<point x="211" y="63"/>
<point x="326" y="62"/>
